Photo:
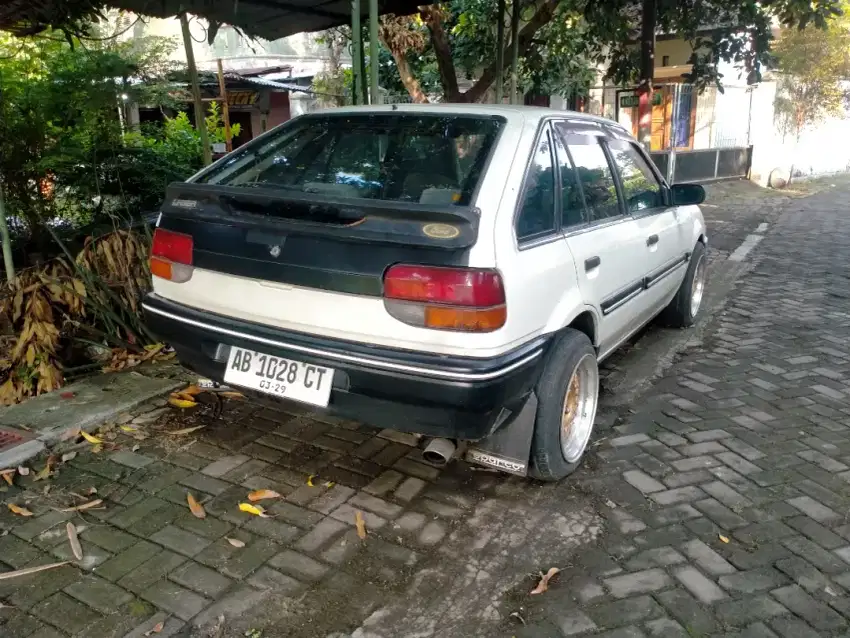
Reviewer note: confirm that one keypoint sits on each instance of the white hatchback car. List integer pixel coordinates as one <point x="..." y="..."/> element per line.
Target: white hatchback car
<point x="455" y="271"/>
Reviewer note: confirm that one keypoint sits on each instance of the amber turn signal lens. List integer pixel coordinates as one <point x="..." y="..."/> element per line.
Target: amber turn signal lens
<point x="465" y="319"/>
<point x="160" y="268"/>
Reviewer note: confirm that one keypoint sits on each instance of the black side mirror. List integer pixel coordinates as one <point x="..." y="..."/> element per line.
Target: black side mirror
<point x="687" y="194"/>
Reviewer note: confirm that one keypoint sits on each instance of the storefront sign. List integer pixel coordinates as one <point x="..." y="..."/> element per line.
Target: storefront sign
<point x="631" y="101"/>
<point x="242" y="98"/>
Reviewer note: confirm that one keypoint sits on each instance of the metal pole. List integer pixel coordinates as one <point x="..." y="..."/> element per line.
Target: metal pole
<point x="225" y="109"/>
<point x="356" y="51"/>
<point x="514" y="47"/>
<point x="7" y="240"/>
<point x="200" y="123"/>
<point x="671" y="163"/>
<point x="374" y="90"/>
<point x="647" y="73"/>
<point x="500" y="53"/>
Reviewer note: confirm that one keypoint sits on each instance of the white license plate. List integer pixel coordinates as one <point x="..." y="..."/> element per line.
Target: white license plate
<point x="285" y="378"/>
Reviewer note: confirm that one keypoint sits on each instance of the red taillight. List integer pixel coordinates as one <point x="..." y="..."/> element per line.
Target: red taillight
<point x="465" y="299"/>
<point x="171" y="255"/>
<point x="172" y="246"/>
<point x="458" y="286"/>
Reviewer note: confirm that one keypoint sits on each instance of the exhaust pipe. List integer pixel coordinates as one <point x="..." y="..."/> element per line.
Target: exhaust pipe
<point x="439" y="452"/>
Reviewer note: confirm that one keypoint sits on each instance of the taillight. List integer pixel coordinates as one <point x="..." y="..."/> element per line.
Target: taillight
<point x="171" y="255"/>
<point x="464" y="299"/>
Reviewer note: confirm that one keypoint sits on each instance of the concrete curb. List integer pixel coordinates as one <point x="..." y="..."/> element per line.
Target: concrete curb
<point x="84" y="405"/>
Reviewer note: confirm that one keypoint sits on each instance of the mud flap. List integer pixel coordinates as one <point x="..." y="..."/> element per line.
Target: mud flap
<point x="509" y="447"/>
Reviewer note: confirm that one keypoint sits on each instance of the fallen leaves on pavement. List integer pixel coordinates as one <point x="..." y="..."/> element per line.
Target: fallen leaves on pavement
<point x="310" y="480"/>
<point x="196" y="508"/>
<point x="8" y="476"/>
<point x="723" y="538"/>
<point x="74" y="541"/>
<point x="185" y="430"/>
<point x="360" y="524"/>
<point x="259" y="495"/>
<point x="256" y="510"/>
<point x="156" y="629"/>
<point x="181" y="403"/>
<point x="236" y="542"/>
<point x="84" y="506"/>
<point x="91" y="439"/>
<point x="20" y="511"/>
<point x="30" y="570"/>
<point x="543" y="585"/>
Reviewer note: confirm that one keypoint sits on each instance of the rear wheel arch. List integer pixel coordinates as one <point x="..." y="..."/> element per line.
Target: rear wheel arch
<point x="586" y="323"/>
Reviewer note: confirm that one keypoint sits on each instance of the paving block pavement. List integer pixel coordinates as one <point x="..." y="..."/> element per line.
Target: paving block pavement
<point x="716" y="505"/>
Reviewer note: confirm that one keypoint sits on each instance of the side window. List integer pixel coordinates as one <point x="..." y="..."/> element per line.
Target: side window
<point x="640" y="186"/>
<point x="594" y="174"/>
<point x="537" y="209"/>
<point x="573" y="210"/>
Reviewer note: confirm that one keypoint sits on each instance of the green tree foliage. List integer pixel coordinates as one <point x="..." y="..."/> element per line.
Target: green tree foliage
<point x="67" y="153"/>
<point x="814" y="71"/>
<point x="561" y="42"/>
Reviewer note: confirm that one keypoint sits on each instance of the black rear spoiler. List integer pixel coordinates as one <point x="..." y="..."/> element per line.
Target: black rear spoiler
<point x="366" y="220"/>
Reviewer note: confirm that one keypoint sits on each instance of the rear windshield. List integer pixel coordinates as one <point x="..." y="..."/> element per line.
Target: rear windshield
<point x="428" y="159"/>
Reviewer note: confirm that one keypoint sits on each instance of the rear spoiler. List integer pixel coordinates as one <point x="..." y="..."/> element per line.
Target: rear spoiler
<point x="366" y="220"/>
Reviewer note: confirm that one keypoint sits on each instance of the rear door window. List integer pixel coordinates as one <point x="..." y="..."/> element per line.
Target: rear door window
<point x="595" y="176"/>
<point x="537" y="206"/>
<point x="641" y="188"/>
<point x="431" y="159"/>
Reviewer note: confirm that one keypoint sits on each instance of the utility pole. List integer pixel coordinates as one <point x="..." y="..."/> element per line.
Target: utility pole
<point x="225" y="108"/>
<point x="200" y="122"/>
<point x="500" y="52"/>
<point x="647" y="73"/>
<point x="374" y="89"/>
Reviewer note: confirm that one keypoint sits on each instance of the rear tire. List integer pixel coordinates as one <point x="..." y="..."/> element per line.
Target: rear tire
<point x="685" y="306"/>
<point x="567" y="396"/>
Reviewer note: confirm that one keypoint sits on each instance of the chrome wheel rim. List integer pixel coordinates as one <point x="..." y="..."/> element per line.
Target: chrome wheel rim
<point x="698" y="287"/>
<point x="579" y="408"/>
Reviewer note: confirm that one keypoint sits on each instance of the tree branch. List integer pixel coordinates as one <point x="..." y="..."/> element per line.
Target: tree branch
<point x="541" y="17"/>
<point x="432" y="16"/>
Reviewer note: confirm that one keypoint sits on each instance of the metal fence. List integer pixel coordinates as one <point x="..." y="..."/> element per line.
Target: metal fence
<point x="696" y="136"/>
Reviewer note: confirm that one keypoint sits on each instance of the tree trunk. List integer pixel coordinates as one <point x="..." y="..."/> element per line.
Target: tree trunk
<point x="432" y="15"/>
<point x="542" y="16"/>
<point x="410" y="82"/>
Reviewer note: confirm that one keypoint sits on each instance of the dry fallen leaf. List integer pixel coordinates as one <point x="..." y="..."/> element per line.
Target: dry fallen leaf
<point x="23" y="470"/>
<point x="310" y="480"/>
<point x="69" y="456"/>
<point x="8" y="476"/>
<point x="196" y="508"/>
<point x="231" y="395"/>
<point x="129" y="428"/>
<point x="256" y="510"/>
<point x="723" y="538"/>
<point x="192" y="390"/>
<point x="185" y="430"/>
<point x="76" y="548"/>
<point x="236" y="542"/>
<point x="181" y="403"/>
<point x="156" y="629"/>
<point x="360" y="524"/>
<point x="91" y="439"/>
<point x="30" y="570"/>
<point x="543" y="585"/>
<point x="259" y="495"/>
<point x="92" y="490"/>
<point x="84" y="506"/>
<point x="20" y="511"/>
<point x="329" y="484"/>
<point x="45" y="472"/>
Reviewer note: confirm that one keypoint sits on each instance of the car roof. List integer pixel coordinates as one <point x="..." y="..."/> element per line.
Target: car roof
<point x="515" y="112"/>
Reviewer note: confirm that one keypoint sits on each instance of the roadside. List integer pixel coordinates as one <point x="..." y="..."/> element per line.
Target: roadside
<point x="450" y="553"/>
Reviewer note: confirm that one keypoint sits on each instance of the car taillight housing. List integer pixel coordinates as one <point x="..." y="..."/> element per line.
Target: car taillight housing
<point x="171" y="256"/>
<point x="460" y="299"/>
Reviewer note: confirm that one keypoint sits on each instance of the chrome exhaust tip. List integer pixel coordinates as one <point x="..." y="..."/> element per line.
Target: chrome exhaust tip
<point x="439" y="452"/>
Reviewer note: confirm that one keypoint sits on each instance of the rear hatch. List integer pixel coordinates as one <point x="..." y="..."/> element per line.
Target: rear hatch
<point x="298" y="228"/>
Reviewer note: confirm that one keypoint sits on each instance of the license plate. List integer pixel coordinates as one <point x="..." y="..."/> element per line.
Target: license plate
<point x="284" y="378"/>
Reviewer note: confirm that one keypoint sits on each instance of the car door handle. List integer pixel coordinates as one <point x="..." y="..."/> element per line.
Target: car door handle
<point x="591" y="263"/>
<point x="652" y="240"/>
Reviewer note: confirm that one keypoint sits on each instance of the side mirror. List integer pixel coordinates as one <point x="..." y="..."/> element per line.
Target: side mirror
<point x="687" y="194"/>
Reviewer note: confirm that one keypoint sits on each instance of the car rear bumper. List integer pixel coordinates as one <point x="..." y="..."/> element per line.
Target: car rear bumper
<point x="430" y="394"/>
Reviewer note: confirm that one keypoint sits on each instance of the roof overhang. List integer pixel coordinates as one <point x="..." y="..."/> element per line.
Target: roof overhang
<point x="268" y="19"/>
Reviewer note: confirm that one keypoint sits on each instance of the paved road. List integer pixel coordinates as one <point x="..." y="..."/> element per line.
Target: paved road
<point x="743" y="437"/>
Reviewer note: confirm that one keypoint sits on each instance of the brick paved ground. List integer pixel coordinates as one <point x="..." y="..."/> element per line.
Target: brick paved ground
<point x="744" y="438"/>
